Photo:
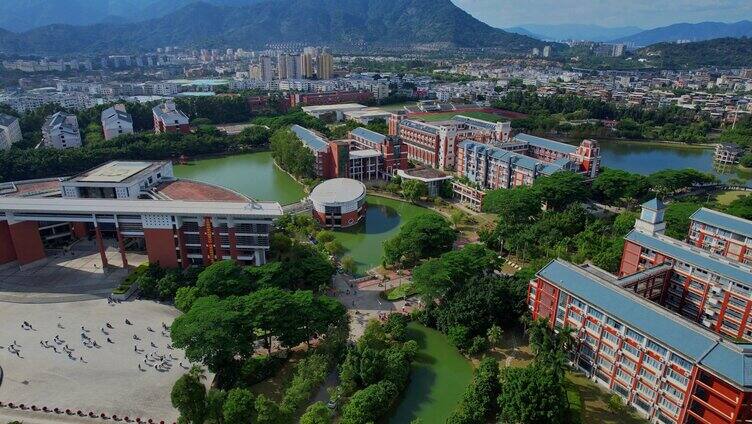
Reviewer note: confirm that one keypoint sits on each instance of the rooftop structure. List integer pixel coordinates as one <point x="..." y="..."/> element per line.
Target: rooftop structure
<point x="140" y="205"/>
<point x="722" y="234"/>
<point x="116" y="121"/>
<point x="669" y="369"/>
<point x="339" y="203"/>
<point x="432" y="178"/>
<point x="10" y="131"/>
<point x="60" y="131"/>
<point x="168" y="118"/>
<point x="336" y="111"/>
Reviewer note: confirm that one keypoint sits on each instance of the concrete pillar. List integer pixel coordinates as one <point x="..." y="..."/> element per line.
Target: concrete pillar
<point x="233" y="243"/>
<point x="183" y="249"/>
<point x="7" y="250"/>
<point x="27" y="242"/>
<point x="121" y="247"/>
<point x="160" y="247"/>
<point x="100" y="246"/>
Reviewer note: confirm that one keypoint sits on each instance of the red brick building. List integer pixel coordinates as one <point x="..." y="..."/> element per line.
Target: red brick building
<point x="339" y="203"/>
<point x="169" y="119"/>
<point x="329" y="98"/>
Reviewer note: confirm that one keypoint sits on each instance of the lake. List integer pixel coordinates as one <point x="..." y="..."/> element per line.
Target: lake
<point x="255" y="175"/>
<point x="438" y="379"/>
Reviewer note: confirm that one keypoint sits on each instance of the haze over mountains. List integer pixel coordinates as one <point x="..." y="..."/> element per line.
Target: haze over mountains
<point x="255" y="23"/>
<point x="574" y="32"/>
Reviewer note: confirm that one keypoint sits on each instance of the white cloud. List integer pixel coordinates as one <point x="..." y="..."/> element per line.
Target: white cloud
<point x="642" y="13"/>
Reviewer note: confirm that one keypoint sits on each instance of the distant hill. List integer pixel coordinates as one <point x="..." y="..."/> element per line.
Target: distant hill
<point x="23" y="15"/>
<point x="574" y="32"/>
<point x="721" y="52"/>
<point x="691" y="32"/>
<point x="374" y="22"/>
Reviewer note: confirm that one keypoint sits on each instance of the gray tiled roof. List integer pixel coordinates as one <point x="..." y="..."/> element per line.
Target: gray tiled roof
<point x="7" y="120"/>
<point x="420" y="126"/>
<point x="310" y="138"/>
<point x="369" y="135"/>
<point x="545" y="143"/>
<point x="692" y="255"/>
<point x="723" y="221"/>
<point x="684" y="337"/>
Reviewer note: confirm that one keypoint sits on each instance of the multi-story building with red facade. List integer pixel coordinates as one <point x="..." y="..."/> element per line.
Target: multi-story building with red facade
<point x="703" y="286"/>
<point x="393" y="153"/>
<point x="722" y="234"/>
<point x="669" y="369"/>
<point x="357" y="159"/>
<point x="329" y="98"/>
<point x="520" y="162"/>
<point x="169" y="119"/>
<point x="134" y="206"/>
<point x="435" y="144"/>
<point x="339" y="202"/>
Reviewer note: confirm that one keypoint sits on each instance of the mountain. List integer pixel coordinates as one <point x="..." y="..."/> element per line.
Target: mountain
<point x="23" y="15"/>
<point x="692" y="32"/>
<point x="389" y="23"/>
<point x="523" y="31"/>
<point x="720" y="52"/>
<point x="574" y="32"/>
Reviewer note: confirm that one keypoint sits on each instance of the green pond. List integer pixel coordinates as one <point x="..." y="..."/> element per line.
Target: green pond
<point x="256" y="176"/>
<point x="438" y="379"/>
<point x="252" y="174"/>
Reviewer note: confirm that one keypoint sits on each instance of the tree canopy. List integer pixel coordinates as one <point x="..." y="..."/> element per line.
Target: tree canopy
<point x="423" y="236"/>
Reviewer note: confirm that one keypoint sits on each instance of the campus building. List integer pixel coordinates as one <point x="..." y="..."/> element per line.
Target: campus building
<point x="60" y="131"/>
<point x="435" y="144"/>
<point x="339" y="202"/>
<point x="169" y="119"/>
<point x="10" y="131"/>
<point x="393" y="153"/>
<point x="116" y="121"/>
<point x="342" y="158"/>
<point x="521" y="161"/>
<point x="722" y="234"/>
<point x="137" y="206"/>
<point x="669" y="369"/>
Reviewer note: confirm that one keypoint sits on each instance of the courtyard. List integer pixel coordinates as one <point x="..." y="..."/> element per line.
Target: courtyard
<point x="52" y="364"/>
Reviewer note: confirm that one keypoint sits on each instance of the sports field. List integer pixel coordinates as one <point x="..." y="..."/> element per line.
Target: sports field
<point x="445" y="116"/>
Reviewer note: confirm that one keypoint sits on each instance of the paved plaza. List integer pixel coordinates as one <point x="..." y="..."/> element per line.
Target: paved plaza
<point x="66" y="276"/>
<point x="110" y="378"/>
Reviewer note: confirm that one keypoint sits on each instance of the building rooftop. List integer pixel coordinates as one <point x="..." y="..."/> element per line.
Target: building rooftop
<point x="6" y="120"/>
<point x="654" y="204"/>
<point x="369" y="135"/>
<point x="41" y="187"/>
<point x="197" y="191"/>
<point x="310" y="138"/>
<point x="365" y="153"/>
<point x="116" y="112"/>
<point x="338" y="190"/>
<point x="474" y="122"/>
<point x="424" y="174"/>
<point x="338" y="107"/>
<point x="117" y="172"/>
<point x="724" y="221"/>
<point x="545" y="143"/>
<point x="420" y="126"/>
<point x="170" y="114"/>
<point x="692" y="255"/>
<point x="60" y="120"/>
<point x="732" y="361"/>
<point x="71" y="206"/>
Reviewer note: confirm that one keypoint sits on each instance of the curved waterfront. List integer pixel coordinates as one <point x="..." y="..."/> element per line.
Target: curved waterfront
<point x="438" y="379"/>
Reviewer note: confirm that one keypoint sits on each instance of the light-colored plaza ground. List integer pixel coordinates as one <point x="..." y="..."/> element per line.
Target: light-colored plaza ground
<point x="108" y="379"/>
<point x="65" y="277"/>
<point x="71" y="290"/>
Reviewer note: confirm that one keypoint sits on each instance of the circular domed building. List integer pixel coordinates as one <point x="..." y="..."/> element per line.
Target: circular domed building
<point x="339" y="202"/>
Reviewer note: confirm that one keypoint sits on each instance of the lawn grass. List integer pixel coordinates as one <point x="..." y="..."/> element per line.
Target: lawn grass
<point x="726" y="197"/>
<point x="594" y="401"/>
<point x="400" y="292"/>
<point x="445" y="116"/>
<point x="397" y="106"/>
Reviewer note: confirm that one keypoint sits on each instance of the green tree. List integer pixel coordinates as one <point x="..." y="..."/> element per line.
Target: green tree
<point x="677" y="218"/>
<point x="517" y="205"/>
<point x="479" y="401"/>
<point x="423" y="236"/>
<point x="215" y="400"/>
<point x="290" y="154"/>
<point x="413" y="190"/>
<point x="348" y="265"/>
<point x="560" y="189"/>
<point x="334" y="247"/>
<point x="239" y="406"/>
<point x="267" y="411"/>
<point x="189" y="397"/>
<point x="369" y="404"/>
<point x="741" y="207"/>
<point x="532" y="395"/>
<point x="613" y="186"/>
<point x="317" y="413"/>
<point x="223" y="278"/>
<point x="185" y="297"/>
<point x="495" y="334"/>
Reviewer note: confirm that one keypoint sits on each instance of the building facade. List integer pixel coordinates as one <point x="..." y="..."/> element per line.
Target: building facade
<point x="10" y="131"/>
<point x="178" y="223"/>
<point x="169" y="119"/>
<point x="339" y="202"/>
<point x="60" y="131"/>
<point x="669" y="369"/>
<point x="116" y="121"/>
<point x="722" y="234"/>
<point x="393" y="153"/>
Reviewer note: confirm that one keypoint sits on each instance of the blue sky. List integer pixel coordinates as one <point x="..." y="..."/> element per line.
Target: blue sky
<point x="612" y="13"/>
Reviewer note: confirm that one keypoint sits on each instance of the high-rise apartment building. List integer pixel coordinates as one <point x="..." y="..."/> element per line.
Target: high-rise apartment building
<point x="325" y="66"/>
<point x="266" y="69"/>
<point x="306" y="65"/>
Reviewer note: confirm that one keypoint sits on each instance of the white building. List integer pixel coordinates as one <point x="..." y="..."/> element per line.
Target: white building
<point x="10" y="131"/>
<point x="60" y="131"/>
<point x="116" y="121"/>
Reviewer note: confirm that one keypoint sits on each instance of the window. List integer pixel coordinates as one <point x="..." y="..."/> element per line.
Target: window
<point x="612" y="338"/>
<point x="616" y="325"/>
<point x="623" y="376"/>
<point x="595" y="328"/>
<point x="652" y="362"/>
<point x="605" y="363"/>
<point x="639" y="338"/>
<point x="607" y="350"/>
<point x="677" y="378"/>
<point x="645" y="390"/>
<point x="648" y="375"/>
<point x="574" y="316"/>
<point x="678" y="360"/>
<point x="655" y="347"/>
<point x="673" y="391"/>
<point x="628" y="348"/>
<point x="595" y="313"/>
<point x="669" y="405"/>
